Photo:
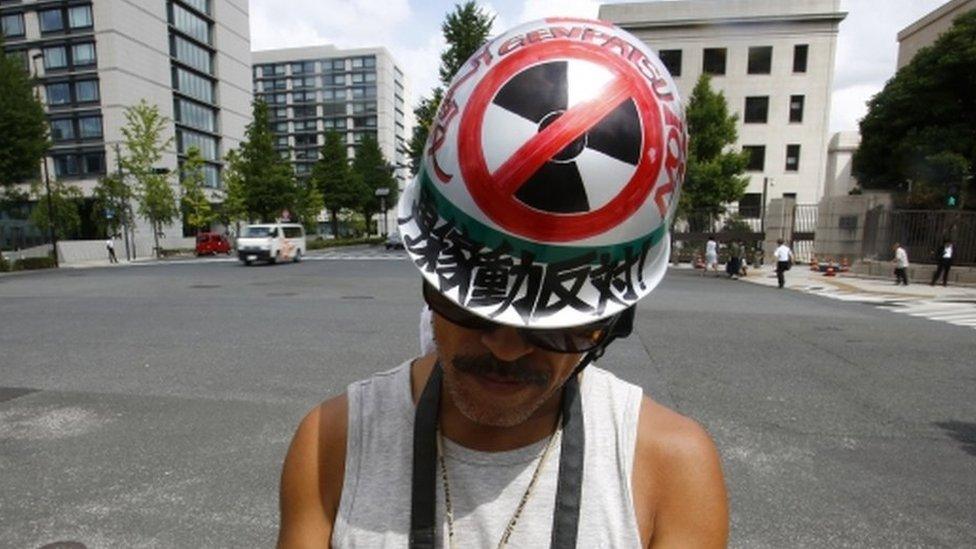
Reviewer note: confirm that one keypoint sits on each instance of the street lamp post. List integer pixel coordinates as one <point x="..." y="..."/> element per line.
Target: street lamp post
<point x="383" y="192"/>
<point x="47" y="178"/>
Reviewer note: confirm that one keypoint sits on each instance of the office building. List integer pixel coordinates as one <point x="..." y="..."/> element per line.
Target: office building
<point x="191" y="58"/>
<point x="355" y="92"/>
<point x="773" y="61"/>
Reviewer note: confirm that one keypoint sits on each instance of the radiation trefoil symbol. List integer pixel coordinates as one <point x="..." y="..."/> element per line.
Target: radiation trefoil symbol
<point x="560" y="143"/>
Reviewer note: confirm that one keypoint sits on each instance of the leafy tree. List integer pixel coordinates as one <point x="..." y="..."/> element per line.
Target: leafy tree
<point x="340" y="188"/>
<point x="234" y="208"/>
<point x="375" y="173"/>
<point x="144" y="145"/>
<point x="268" y="179"/>
<point x="309" y="204"/>
<point x="23" y="126"/>
<point x="465" y="30"/>
<point x="919" y="128"/>
<point x="65" y="203"/>
<point x="197" y="211"/>
<point x="112" y="197"/>
<point x="714" y="173"/>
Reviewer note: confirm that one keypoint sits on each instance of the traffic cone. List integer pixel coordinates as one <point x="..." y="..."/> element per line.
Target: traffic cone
<point x="830" y="271"/>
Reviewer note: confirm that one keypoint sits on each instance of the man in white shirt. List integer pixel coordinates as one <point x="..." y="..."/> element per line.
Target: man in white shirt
<point x="944" y="256"/>
<point x="784" y="256"/>
<point x="110" y="246"/>
<point x="711" y="255"/>
<point x="901" y="263"/>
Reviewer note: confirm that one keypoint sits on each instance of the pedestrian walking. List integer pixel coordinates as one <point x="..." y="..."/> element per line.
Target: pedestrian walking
<point x="110" y="246"/>
<point x="507" y="434"/>
<point x="944" y="256"/>
<point x="735" y="259"/>
<point x="711" y="255"/>
<point x="784" y="260"/>
<point x="901" y="264"/>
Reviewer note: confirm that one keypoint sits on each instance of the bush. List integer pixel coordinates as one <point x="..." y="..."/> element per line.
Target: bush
<point x="32" y="263"/>
<point x="322" y="243"/>
<point x="4" y="264"/>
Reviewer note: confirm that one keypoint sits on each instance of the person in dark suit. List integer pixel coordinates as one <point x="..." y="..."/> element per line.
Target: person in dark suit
<point x="944" y="256"/>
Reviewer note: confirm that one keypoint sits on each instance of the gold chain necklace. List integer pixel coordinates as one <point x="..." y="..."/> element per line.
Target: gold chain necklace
<point x="449" y="509"/>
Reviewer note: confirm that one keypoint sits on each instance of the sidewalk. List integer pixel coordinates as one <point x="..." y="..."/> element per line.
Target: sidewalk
<point x="800" y="277"/>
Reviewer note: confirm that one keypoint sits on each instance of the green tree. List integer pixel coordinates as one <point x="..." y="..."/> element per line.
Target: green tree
<point x="197" y="211"/>
<point x="339" y="187"/>
<point x="919" y="128"/>
<point x="374" y="172"/>
<point x="465" y="30"/>
<point x="234" y="208"/>
<point x="268" y="178"/>
<point x="144" y="146"/>
<point x="309" y="204"/>
<point x="23" y="126"/>
<point x="112" y="197"/>
<point x="65" y="203"/>
<point x="714" y="172"/>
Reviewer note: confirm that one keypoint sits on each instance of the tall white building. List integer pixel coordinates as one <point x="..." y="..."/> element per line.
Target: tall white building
<point x="774" y="62"/>
<point x="354" y="92"/>
<point x="191" y="58"/>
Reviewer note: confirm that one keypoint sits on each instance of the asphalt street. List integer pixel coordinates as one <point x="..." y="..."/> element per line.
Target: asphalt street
<point x="151" y="405"/>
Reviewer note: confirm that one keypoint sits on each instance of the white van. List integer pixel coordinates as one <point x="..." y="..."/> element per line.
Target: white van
<point x="271" y="242"/>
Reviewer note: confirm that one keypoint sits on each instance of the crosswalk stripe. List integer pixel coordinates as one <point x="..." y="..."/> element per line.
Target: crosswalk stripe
<point x="957" y="314"/>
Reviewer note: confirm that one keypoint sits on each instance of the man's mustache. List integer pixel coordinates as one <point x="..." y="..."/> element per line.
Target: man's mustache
<point x="488" y="365"/>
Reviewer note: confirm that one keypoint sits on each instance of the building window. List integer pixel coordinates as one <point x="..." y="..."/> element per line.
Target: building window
<point x="306" y="140"/>
<point x="191" y="24"/>
<point x="206" y="144"/>
<point x="281" y="84"/>
<point x="62" y="129"/>
<point x="757" y="110"/>
<point x="197" y="116"/>
<point x="713" y="61"/>
<point x="55" y="58"/>
<point x="79" y="17"/>
<point x="12" y="25"/>
<point x="796" y="108"/>
<point x="792" y="158"/>
<point x="58" y="94"/>
<point x="304" y="112"/>
<point x="191" y="54"/>
<point x="671" y="60"/>
<point x="51" y="20"/>
<point x="90" y="127"/>
<point x="760" y="59"/>
<point x="281" y="141"/>
<point x="83" y="54"/>
<point x="79" y="164"/>
<point x="201" y="6"/>
<point x="192" y="85"/>
<point x="800" y="57"/>
<point x="757" y="157"/>
<point x="337" y="80"/>
<point x="750" y="205"/>
<point x="86" y="91"/>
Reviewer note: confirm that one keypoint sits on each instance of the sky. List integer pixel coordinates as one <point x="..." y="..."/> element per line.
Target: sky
<point x="867" y="47"/>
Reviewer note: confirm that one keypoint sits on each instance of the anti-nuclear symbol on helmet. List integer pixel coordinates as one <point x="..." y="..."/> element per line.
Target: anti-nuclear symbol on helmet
<point x="552" y="150"/>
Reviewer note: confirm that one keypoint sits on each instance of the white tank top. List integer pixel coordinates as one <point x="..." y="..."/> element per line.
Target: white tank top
<point x="374" y="510"/>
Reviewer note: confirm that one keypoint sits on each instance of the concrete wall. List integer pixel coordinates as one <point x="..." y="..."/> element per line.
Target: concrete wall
<point x="75" y="252"/>
<point x="840" y="224"/>
<point x="840" y="157"/>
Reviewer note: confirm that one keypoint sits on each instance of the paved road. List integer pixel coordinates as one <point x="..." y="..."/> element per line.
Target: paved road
<point x="151" y="406"/>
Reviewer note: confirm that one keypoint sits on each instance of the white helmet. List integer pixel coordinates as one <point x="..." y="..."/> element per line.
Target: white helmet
<point x="550" y="177"/>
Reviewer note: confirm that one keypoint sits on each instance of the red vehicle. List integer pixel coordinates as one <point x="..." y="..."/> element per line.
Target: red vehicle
<point x="212" y="243"/>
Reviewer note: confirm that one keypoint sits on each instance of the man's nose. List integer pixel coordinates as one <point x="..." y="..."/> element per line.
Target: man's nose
<point x="506" y="343"/>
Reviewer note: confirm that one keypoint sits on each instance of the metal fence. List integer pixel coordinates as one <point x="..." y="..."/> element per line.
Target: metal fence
<point x="921" y="233"/>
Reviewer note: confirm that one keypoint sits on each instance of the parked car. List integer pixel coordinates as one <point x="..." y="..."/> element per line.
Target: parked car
<point x="212" y="244"/>
<point x="272" y="242"/>
<point x="393" y="241"/>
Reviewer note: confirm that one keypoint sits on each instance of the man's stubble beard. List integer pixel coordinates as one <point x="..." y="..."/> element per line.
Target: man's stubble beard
<point x="467" y="403"/>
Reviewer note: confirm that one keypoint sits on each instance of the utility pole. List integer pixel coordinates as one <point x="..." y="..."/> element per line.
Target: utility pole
<point x="123" y="210"/>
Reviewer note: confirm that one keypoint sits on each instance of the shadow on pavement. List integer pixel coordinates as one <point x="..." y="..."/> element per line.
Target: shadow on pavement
<point x="962" y="432"/>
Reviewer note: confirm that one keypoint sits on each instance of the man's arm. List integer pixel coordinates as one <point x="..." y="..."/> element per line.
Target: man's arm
<point x="311" y="478"/>
<point x="679" y="473"/>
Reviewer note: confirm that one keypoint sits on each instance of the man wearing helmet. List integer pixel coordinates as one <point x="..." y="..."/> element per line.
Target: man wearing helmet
<point x="538" y="220"/>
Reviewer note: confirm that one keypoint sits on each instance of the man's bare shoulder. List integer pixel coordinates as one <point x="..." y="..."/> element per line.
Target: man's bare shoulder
<point x="312" y="475"/>
<point x="678" y="476"/>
